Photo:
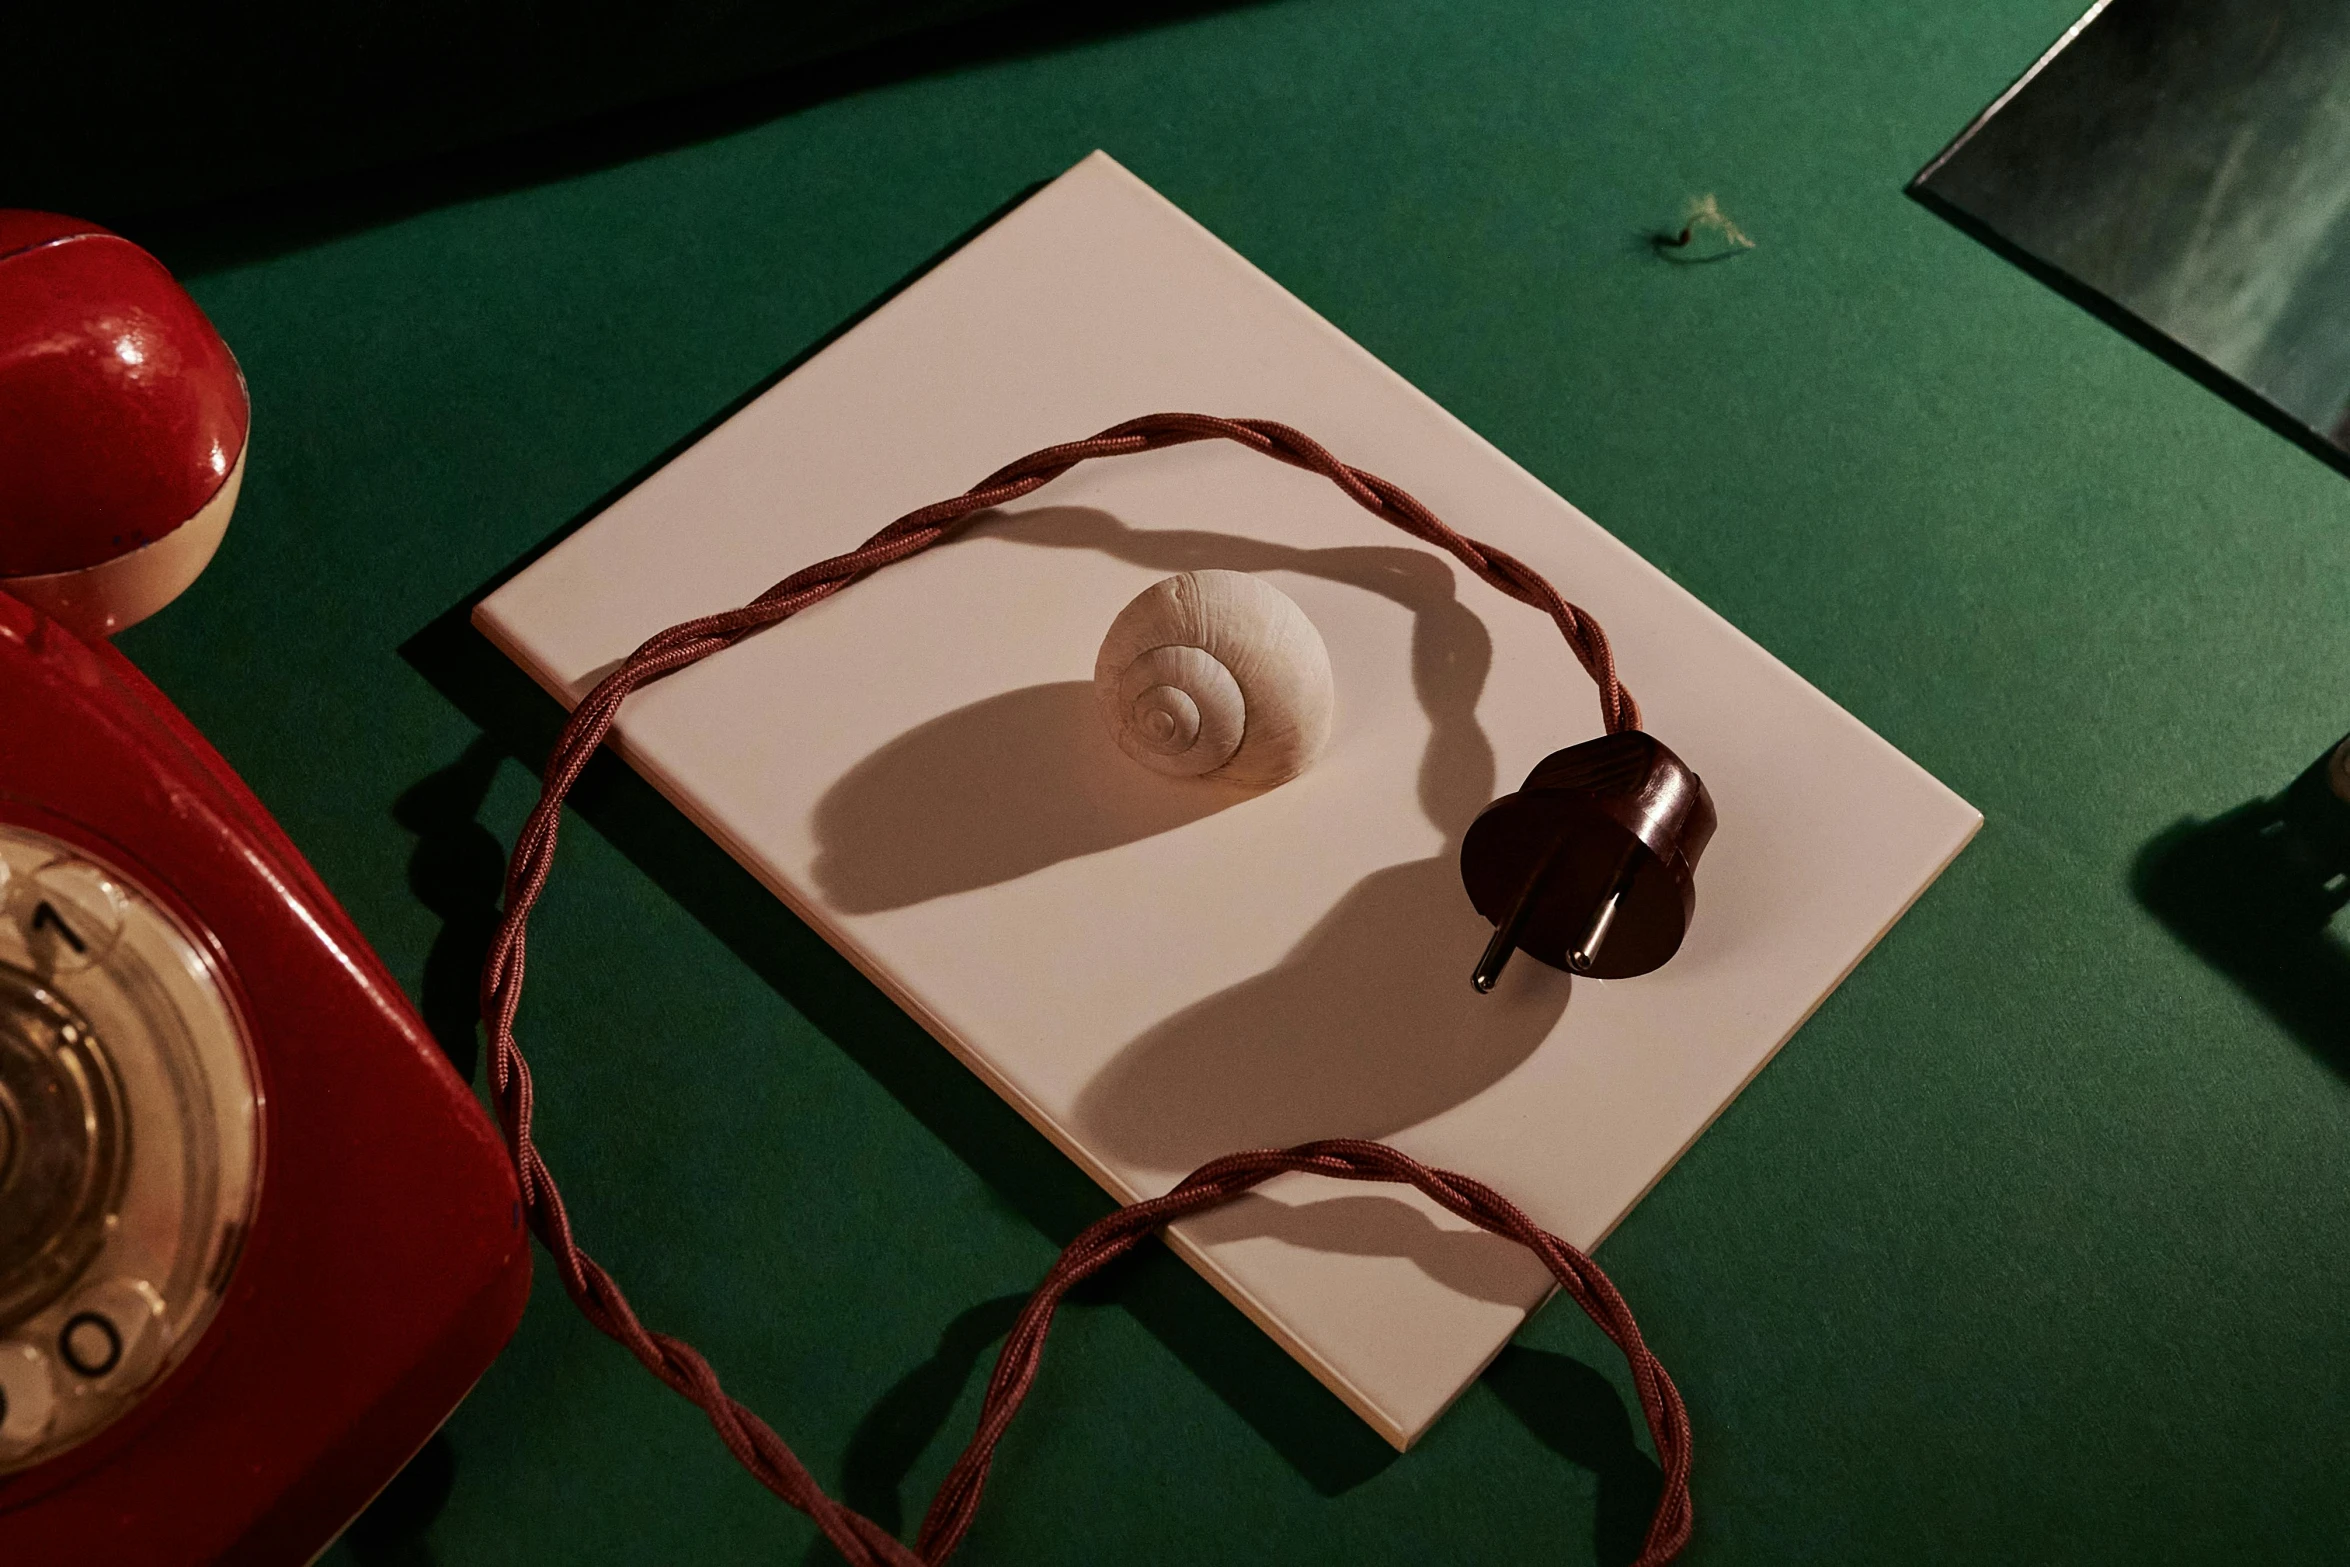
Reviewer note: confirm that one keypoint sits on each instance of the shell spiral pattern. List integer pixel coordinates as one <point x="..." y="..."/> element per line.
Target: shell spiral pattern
<point x="1216" y="674"/>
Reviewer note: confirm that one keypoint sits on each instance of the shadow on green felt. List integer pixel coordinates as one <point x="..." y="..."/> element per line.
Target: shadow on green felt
<point x="1567" y="1406"/>
<point x="458" y="871"/>
<point x="2253" y="892"/>
<point x="391" y="1532"/>
<point x="896" y="1432"/>
<point x="366" y="190"/>
<point x="1577" y="1413"/>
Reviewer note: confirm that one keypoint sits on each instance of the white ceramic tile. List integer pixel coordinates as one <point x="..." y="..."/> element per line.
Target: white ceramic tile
<point x="1156" y="971"/>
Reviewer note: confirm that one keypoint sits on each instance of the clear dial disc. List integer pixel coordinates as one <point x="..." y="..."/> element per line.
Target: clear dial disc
<point x="130" y="1144"/>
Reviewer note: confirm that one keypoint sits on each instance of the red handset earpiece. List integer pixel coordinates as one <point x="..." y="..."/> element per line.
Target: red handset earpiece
<point x="123" y="420"/>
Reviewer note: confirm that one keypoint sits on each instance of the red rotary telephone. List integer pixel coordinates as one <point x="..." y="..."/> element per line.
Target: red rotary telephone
<point x="257" y="1238"/>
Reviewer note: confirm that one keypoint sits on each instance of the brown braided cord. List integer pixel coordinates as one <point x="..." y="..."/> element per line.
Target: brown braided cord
<point x="861" y="1541"/>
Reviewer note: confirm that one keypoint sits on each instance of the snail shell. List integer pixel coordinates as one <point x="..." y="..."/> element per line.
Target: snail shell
<point x="1216" y="674"/>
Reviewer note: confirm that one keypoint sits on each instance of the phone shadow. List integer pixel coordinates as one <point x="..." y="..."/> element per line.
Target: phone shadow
<point x="395" y="1528"/>
<point x="457" y="870"/>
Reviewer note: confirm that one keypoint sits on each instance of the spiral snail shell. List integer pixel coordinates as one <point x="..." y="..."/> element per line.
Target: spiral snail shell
<point x="1216" y="674"/>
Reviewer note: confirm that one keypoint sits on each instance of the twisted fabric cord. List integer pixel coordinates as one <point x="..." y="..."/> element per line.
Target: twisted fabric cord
<point x="862" y="1542"/>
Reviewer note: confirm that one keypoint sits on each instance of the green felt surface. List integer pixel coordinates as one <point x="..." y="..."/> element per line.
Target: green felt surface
<point x="2032" y="1246"/>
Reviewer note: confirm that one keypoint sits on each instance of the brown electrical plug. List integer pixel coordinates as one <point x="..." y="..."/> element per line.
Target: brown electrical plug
<point x="1591" y="866"/>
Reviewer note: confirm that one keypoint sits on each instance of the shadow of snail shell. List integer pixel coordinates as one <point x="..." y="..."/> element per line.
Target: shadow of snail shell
<point x="1216" y="674"/>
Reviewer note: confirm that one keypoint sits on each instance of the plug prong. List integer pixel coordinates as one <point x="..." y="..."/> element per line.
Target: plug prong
<point x="1585" y="957"/>
<point x="1487" y="974"/>
<point x="1506" y="931"/>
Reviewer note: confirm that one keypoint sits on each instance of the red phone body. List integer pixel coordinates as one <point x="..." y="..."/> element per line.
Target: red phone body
<point x="385" y="1263"/>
